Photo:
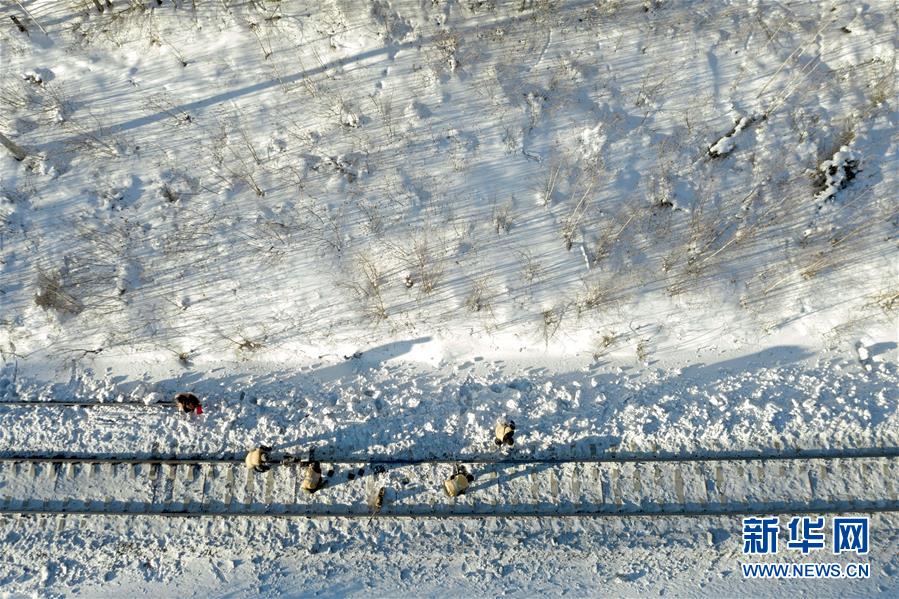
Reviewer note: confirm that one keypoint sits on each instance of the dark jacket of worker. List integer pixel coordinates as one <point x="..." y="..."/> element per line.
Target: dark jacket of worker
<point x="188" y="402"/>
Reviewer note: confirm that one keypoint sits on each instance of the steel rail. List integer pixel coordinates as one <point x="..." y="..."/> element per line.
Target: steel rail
<point x="868" y="507"/>
<point x="31" y="403"/>
<point x="733" y="456"/>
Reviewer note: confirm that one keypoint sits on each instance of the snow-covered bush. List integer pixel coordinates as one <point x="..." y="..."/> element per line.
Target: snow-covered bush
<point x="837" y="173"/>
<point x="724" y="146"/>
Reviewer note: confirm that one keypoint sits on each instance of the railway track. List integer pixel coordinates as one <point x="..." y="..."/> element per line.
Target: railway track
<point x="36" y="403"/>
<point x="690" y="486"/>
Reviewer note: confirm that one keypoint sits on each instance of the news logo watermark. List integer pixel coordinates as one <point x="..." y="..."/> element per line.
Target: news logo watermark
<point x="806" y="535"/>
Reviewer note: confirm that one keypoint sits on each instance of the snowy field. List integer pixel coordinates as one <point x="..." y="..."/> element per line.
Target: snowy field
<point x="375" y="227"/>
<point x="266" y="558"/>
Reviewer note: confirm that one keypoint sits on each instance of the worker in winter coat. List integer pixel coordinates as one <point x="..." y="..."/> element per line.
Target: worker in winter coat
<point x="458" y="482"/>
<point x="258" y="459"/>
<point x="505" y="433"/>
<point x="188" y="402"/>
<point x="313" y="480"/>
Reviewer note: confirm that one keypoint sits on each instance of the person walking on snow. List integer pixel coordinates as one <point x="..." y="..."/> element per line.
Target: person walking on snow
<point x="313" y="480"/>
<point x="258" y="459"/>
<point x="458" y="482"/>
<point x="188" y="402"/>
<point x="505" y="433"/>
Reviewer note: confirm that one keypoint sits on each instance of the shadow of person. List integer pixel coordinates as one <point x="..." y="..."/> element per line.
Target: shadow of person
<point x="365" y="360"/>
<point x="881" y="348"/>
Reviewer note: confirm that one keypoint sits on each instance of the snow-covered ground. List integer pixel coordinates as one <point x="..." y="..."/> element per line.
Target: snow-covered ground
<point x="367" y="408"/>
<point x="266" y="558"/>
<point x="631" y="226"/>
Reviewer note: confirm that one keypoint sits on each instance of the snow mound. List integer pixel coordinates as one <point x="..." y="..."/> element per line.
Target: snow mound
<point x="838" y="172"/>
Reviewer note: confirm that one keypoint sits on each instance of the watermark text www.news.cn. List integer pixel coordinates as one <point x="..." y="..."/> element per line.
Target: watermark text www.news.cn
<point x="806" y="535"/>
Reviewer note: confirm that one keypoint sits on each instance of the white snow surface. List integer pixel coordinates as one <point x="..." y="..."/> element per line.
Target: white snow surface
<point x="365" y="407"/>
<point x="266" y="558"/>
<point x="509" y="208"/>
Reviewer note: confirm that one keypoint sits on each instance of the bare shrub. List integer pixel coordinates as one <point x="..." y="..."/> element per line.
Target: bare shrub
<point x="424" y="261"/>
<point x="610" y="234"/>
<point x="237" y="160"/>
<point x="550" y="320"/>
<point x="595" y="296"/>
<point x="54" y="292"/>
<point x="15" y="95"/>
<point x="573" y="220"/>
<point x="324" y="223"/>
<point x="545" y="194"/>
<point x="884" y="87"/>
<point x="642" y="351"/>
<point x="604" y="342"/>
<point x="502" y="218"/>
<point x="478" y="298"/>
<point x="367" y="288"/>
<point x="347" y="115"/>
<point x="445" y="55"/>
<point x="531" y="270"/>
<point x="374" y="219"/>
<point x="660" y="190"/>
<point x="384" y="107"/>
<point x="245" y="344"/>
<point x="888" y="301"/>
<point x="169" y="195"/>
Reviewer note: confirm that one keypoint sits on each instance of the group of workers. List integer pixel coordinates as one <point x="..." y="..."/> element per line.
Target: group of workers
<point x="259" y="460"/>
<point x="461" y="479"/>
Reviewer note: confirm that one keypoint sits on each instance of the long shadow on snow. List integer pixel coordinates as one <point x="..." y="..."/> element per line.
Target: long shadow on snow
<point x="439" y="425"/>
<point x="388" y="50"/>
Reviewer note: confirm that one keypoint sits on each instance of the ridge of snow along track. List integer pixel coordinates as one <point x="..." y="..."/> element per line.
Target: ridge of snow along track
<point x="500" y="489"/>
